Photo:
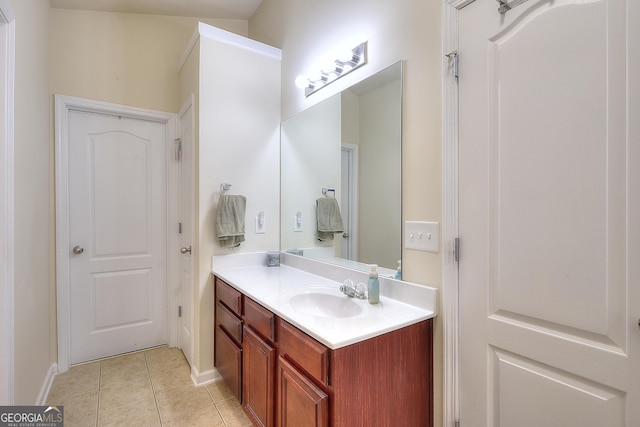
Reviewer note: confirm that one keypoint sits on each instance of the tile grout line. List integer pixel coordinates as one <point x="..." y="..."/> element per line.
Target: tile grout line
<point x="153" y="389"/>
<point x="215" y="405"/>
<point x="99" y="388"/>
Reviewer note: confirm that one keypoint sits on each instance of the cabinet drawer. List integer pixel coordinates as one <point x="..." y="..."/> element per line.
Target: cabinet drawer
<point x="304" y="351"/>
<point x="229" y="322"/>
<point x="260" y="319"/>
<point x="231" y="297"/>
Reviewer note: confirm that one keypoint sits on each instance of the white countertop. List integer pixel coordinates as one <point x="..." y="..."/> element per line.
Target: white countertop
<point x="272" y="287"/>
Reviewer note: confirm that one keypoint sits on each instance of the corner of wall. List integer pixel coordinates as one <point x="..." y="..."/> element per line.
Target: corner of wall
<point x="46" y="385"/>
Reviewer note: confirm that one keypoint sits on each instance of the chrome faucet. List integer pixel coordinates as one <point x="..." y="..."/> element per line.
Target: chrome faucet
<point x="352" y="290"/>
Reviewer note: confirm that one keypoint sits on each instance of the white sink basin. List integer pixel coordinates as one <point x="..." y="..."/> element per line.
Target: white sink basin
<point x="325" y="304"/>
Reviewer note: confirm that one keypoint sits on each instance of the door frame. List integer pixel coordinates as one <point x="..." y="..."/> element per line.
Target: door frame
<point x="7" y="65"/>
<point x="450" y="134"/>
<point x="63" y="105"/>
<point x="352" y="149"/>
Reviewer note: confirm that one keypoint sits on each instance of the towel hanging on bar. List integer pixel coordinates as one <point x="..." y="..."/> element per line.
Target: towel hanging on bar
<point x="230" y="220"/>
<point x="328" y="218"/>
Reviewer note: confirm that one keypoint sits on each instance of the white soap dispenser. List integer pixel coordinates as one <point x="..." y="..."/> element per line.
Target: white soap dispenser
<point x="373" y="285"/>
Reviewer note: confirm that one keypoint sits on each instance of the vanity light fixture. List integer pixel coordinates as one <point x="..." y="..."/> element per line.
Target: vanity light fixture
<point x="344" y="64"/>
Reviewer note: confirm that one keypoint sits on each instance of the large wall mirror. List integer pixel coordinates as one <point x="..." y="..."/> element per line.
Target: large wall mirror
<point x="347" y="147"/>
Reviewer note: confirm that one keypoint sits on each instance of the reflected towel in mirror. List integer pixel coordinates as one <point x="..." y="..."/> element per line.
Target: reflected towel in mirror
<point x="230" y="220"/>
<point x="329" y="220"/>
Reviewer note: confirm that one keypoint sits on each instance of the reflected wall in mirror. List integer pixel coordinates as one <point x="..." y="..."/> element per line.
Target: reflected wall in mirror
<point x="350" y="143"/>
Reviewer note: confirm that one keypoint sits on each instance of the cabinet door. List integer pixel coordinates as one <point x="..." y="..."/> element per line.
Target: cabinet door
<point x="229" y="361"/>
<point x="258" y="380"/>
<point x="300" y="402"/>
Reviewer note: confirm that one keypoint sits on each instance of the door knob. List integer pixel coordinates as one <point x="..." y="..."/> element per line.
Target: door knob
<point x="78" y="250"/>
<point x="345" y="235"/>
<point x="185" y="250"/>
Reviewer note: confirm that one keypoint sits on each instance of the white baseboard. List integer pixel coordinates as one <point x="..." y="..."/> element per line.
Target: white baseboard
<point x="206" y="377"/>
<point x="46" y="385"/>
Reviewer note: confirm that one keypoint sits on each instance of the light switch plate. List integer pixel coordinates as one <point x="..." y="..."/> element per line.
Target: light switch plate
<point x="422" y="236"/>
<point x="297" y="222"/>
<point x="261" y="228"/>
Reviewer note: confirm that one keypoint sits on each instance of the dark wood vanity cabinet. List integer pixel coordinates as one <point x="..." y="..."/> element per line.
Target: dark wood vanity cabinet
<point x="289" y="379"/>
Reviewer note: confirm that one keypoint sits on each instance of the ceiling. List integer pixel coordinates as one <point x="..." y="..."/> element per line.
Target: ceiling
<point x="221" y="9"/>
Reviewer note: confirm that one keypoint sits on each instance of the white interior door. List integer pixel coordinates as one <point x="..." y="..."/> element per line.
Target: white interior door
<point x="186" y="212"/>
<point x="549" y="197"/>
<point x="117" y="235"/>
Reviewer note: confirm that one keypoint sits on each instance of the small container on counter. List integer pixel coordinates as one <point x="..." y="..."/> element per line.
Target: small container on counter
<point x="273" y="259"/>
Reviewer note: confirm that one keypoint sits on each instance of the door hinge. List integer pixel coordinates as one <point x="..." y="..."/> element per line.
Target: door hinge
<point x="179" y="228"/>
<point x="179" y="311"/>
<point x="178" y="149"/>
<point x="453" y="61"/>
<point x="456" y="250"/>
<point x="505" y="6"/>
<point x="457" y="423"/>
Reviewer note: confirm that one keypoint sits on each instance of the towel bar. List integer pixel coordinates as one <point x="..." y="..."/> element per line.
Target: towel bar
<point x="327" y="190"/>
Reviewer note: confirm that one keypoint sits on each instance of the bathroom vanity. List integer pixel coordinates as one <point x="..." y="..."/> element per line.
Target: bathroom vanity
<point x="291" y="359"/>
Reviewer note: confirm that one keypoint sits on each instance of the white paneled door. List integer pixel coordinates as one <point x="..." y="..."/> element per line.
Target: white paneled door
<point x="185" y="214"/>
<point x="117" y="235"/>
<point x="549" y="197"/>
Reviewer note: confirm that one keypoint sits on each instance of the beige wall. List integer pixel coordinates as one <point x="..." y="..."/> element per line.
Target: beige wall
<point x="33" y="201"/>
<point x="395" y="29"/>
<point x="122" y="58"/>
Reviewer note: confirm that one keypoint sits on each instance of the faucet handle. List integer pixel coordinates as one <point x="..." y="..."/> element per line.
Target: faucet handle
<point x="361" y="291"/>
<point x="348" y="288"/>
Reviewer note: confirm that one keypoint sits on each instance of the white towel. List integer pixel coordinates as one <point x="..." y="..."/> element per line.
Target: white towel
<point x="230" y="220"/>
<point x="328" y="218"/>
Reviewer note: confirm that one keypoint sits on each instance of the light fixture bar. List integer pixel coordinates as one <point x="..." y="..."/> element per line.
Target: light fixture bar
<point x="338" y="68"/>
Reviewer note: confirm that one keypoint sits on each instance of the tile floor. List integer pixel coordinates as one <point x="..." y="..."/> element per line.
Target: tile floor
<point x="148" y="388"/>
